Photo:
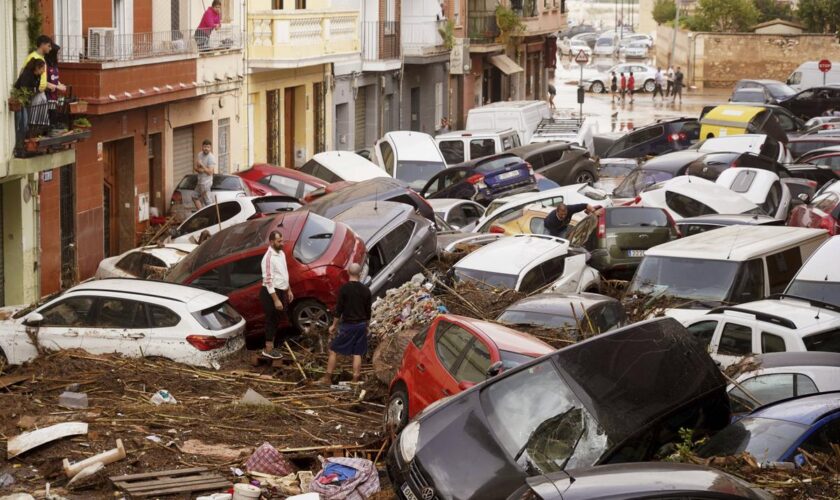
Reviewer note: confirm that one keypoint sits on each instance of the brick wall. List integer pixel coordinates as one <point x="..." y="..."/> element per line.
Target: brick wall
<point x="50" y="234"/>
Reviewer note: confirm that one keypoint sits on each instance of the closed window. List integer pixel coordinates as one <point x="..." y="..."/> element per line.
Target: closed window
<point x="645" y="135"/>
<point x="685" y="206"/>
<point x="822" y="439"/>
<point x="772" y="343"/>
<point x="474" y="366"/>
<point x="480" y="148"/>
<point x="131" y="263"/>
<point x="782" y="267"/>
<point x="395" y="242"/>
<point x="387" y="154"/>
<point x="471" y="212"/>
<point x="121" y="313"/>
<point x="537" y="226"/>
<point x="420" y="339"/>
<point x="774" y="197"/>
<point x="450" y="342"/>
<point x="452" y="151"/>
<point x="162" y="317"/>
<point x="210" y="216"/>
<point x="72" y="311"/>
<point x="736" y="340"/>
<point x="553" y="155"/>
<point x="703" y="332"/>
<point x="749" y="283"/>
<point x="244" y="272"/>
<point x="285" y="185"/>
<point x="210" y="280"/>
<point x="537" y="161"/>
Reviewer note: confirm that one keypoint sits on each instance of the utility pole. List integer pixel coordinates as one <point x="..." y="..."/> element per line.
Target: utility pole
<point x="674" y="38"/>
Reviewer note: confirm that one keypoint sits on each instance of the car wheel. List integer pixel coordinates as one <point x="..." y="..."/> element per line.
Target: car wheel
<point x="649" y="85"/>
<point x="583" y="177"/>
<point x="396" y="413"/>
<point x="310" y="314"/>
<point x="597" y="87"/>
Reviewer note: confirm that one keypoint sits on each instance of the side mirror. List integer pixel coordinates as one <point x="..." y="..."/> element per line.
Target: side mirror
<point x="495" y="369"/>
<point x="33" y="319"/>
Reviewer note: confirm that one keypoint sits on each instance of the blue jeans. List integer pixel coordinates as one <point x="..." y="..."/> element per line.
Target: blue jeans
<point x="21" y="126"/>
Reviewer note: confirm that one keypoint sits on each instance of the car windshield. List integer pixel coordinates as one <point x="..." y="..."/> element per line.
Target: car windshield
<point x="779" y="90"/>
<point x="690" y="279"/>
<point x="637" y="180"/>
<point x="540" y="423"/>
<point x="497" y="280"/>
<point x="513" y="359"/>
<point x="548" y="320"/>
<point x="218" y="317"/>
<point x="417" y="173"/>
<point x="315" y="238"/>
<point x="764" y="438"/>
<point x="827" y="292"/>
<point x="226" y="183"/>
<point x="748" y="95"/>
<point x="615" y="170"/>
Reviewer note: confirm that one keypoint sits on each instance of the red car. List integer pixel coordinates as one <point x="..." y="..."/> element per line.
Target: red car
<point x="329" y="188"/>
<point x="452" y="355"/>
<point x="823" y="212"/>
<point x="318" y="253"/>
<point x="263" y="179"/>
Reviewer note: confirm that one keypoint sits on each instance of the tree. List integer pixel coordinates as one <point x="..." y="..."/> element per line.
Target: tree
<point x="664" y="11"/>
<point x="820" y="16"/>
<point x="773" y="9"/>
<point x="725" y="15"/>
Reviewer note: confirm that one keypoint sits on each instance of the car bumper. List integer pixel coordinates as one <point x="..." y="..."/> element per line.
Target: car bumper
<point x="408" y="479"/>
<point x="485" y="196"/>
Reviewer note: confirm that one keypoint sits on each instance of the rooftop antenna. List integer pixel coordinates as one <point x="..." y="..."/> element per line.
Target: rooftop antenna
<point x="734" y="241"/>
<point x="822" y="298"/>
<point x="376" y="200"/>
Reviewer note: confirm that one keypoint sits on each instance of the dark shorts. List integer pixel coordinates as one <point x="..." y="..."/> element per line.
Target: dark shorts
<point x="351" y="339"/>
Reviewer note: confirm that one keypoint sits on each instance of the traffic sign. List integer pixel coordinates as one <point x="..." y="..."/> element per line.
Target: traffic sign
<point x="824" y="65"/>
<point x="582" y="58"/>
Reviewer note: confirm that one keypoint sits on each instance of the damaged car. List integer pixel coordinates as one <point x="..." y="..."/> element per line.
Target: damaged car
<point x="213" y="218"/>
<point x="587" y="404"/>
<point x="590" y="312"/>
<point x="145" y="262"/>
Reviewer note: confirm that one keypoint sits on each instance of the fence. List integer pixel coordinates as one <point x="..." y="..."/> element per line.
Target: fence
<point x="482" y="27"/>
<point x="418" y="35"/>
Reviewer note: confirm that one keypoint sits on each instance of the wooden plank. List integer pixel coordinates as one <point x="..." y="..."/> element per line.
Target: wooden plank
<point x="144" y="475"/>
<point x="29" y="440"/>
<point x="168" y="491"/>
<point x="12" y="380"/>
<point x="172" y="482"/>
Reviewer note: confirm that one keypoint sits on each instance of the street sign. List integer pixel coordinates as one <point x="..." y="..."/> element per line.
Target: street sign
<point x="582" y="58"/>
<point x="824" y="65"/>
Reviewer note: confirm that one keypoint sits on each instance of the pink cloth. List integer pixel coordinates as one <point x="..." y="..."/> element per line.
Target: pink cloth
<point x="210" y="20"/>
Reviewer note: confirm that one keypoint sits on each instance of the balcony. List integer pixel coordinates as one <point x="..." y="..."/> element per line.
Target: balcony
<point x="541" y="17"/>
<point x="295" y="38"/>
<point x="46" y="135"/>
<point x="482" y="27"/>
<point x="380" y="45"/>
<point x="421" y="37"/>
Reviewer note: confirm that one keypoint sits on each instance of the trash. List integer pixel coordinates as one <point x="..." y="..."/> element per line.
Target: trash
<point x="29" y="440"/>
<point x="244" y="491"/>
<point x="305" y="496"/>
<point x="6" y="480"/>
<point x="216" y="496"/>
<point x="288" y="485"/>
<point x="163" y="396"/>
<point x="88" y="476"/>
<point x="236" y="471"/>
<point x="268" y="460"/>
<point x="73" y="400"/>
<point x="252" y="397"/>
<point x="73" y="388"/>
<point x="305" y="477"/>
<point x="197" y="447"/>
<point x="154" y="439"/>
<point x="351" y="478"/>
<point x="169" y="482"/>
<point x="106" y="457"/>
<point x="18" y="496"/>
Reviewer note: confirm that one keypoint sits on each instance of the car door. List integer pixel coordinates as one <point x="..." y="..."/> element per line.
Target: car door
<point x="400" y="262"/>
<point x="121" y="325"/>
<point x="66" y="321"/>
<point x="438" y="370"/>
<point x="165" y="336"/>
<point x="472" y="212"/>
<point x="735" y="341"/>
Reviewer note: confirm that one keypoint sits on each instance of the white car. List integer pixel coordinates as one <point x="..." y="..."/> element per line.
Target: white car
<point x="529" y="263"/>
<point x="759" y="144"/>
<point x="144" y="262"/>
<point x="336" y="166"/>
<point x="460" y="214"/>
<point x="214" y="218"/>
<point x="511" y="207"/>
<point x="134" y="318"/>
<point x="819" y="277"/>
<point x="689" y="196"/>
<point x="575" y="45"/>
<point x="763" y="326"/>
<point x="605" y="45"/>
<point x="412" y="157"/>
<point x="781" y="375"/>
<point x="224" y="188"/>
<point x="762" y="187"/>
<point x="637" y="50"/>
<point x="643" y="75"/>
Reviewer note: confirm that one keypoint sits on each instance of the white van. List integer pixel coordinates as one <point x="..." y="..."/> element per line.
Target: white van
<point x="731" y="265"/>
<point x="465" y="145"/>
<point x="819" y="278"/>
<point x="808" y="75"/>
<point x="522" y="116"/>
<point x="336" y="166"/>
<point x="412" y="157"/>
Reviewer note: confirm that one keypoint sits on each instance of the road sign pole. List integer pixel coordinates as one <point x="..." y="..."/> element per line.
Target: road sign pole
<point x="580" y="90"/>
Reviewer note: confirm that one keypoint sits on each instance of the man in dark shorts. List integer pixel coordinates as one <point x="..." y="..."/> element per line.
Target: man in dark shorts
<point x="557" y="222"/>
<point x="352" y="314"/>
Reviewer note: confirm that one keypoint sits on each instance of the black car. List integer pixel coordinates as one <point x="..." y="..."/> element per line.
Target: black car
<point x="576" y="30"/>
<point x="662" y="137"/>
<point x="656" y="170"/>
<point x="380" y="188"/>
<point x="804" y="144"/>
<point x="591" y="311"/>
<point x="589" y="37"/>
<point x="482" y="180"/>
<point x="654" y="480"/>
<point x="773" y="91"/>
<point x="749" y="95"/>
<point x="813" y="102"/>
<point x="587" y="404"/>
<point x="561" y="162"/>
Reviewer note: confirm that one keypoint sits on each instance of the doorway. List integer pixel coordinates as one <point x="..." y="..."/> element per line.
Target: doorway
<point x="289" y="127"/>
<point x="67" y="225"/>
<point x="118" y="196"/>
<point x="273" y="127"/>
<point x="415" y="108"/>
<point x="156" y="174"/>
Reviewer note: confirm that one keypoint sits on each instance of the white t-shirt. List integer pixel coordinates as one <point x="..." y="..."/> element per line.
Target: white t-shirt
<point x="207" y="160"/>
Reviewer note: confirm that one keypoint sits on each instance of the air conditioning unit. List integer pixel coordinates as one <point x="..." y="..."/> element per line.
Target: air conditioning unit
<point x="100" y="43"/>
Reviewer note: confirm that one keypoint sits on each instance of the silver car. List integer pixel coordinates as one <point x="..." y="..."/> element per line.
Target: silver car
<point x="643" y="74"/>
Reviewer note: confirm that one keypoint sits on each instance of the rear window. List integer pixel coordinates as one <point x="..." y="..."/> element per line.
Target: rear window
<point x="636" y="217"/>
<point x="823" y="342"/>
<point x="496" y="280"/>
<point x="685" y="206"/>
<point x="218" y="317"/>
<point x="743" y="181"/>
<point x="226" y="183"/>
<point x="548" y="320"/>
<point x="274" y="205"/>
<point x="827" y="292"/>
<point x="188" y="182"/>
<point x="314" y="239"/>
<point x="496" y="164"/>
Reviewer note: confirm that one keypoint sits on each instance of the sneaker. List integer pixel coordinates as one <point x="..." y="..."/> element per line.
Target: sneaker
<point x="273" y="354"/>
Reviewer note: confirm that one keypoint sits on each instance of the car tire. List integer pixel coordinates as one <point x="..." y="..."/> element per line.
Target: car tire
<point x="597" y="87"/>
<point x="649" y="86"/>
<point x="396" y="412"/>
<point x="308" y="313"/>
<point x="583" y="176"/>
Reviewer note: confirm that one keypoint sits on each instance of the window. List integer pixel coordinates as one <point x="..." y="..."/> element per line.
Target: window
<point x="782" y="267"/>
<point x="645" y="135"/>
<point x="456" y="217"/>
<point x="387" y="157"/>
<point x="121" y="313"/>
<point x="452" y="151"/>
<point x="825" y="342"/>
<point x="821" y="440"/>
<point x="743" y="181"/>
<point x="736" y="340"/>
<point x="390" y="17"/>
<point x="218" y="317"/>
<point x="223" y="144"/>
<point x="480" y="148"/>
<point x="72" y="311"/>
<point x="474" y="366"/>
<point x="749" y="283"/>
<point x="552" y="269"/>
<point x="314" y="239"/>
<point x="703" y="332"/>
<point x="829" y="161"/>
<point x="131" y="263"/>
<point x="636" y="217"/>
<point x="438" y="102"/>
<point x="162" y="317"/>
<point x="685" y="206"/>
<point x="395" y="242"/>
<point x="211" y="280"/>
<point x="772" y="343"/>
<point x="768" y="389"/>
<point x="542" y="275"/>
<point x="471" y="212"/>
<point x="537" y="226"/>
<point x="774" y="197"/>
<point x="207" y="216"/>
<point x="450" y="341"/>
<point x="285" y="185"/>
<point x="537" y="161"/>
<point x="244" y="272"/>
<point x="420" y="338"/>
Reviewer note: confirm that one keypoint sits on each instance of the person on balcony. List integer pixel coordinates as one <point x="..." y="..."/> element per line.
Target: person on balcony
<point x="212" y="19"/>
<point x="43" y="46"/>
<point x="53" y="79"/>
<point x="28" y="80"/>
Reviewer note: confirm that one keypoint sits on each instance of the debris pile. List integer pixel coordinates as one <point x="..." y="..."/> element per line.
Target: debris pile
<point x="408" y="307"/>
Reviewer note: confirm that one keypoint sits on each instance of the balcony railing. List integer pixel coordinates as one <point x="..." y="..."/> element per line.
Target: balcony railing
<point x="47" y="127"/>
<point x="421" y="37"/>
<point x="482" y="27"/>
<point x="292" y="36"/>
<point x="525" y="8"/>
<point x="380" y="40"/>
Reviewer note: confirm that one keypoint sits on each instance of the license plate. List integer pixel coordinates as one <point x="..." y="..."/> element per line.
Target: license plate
<point x="636" y="253"/>
<point x="406" y="491"/>
<point x="508" y="175"/>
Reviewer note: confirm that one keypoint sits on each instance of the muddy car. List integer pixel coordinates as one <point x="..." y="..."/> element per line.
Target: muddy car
<point x="562" y="411"/>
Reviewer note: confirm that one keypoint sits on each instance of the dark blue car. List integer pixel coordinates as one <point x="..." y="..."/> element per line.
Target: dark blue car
<point x="659" y="138"/>
<point x="776" y="432"/>
<point x="483" y="180"/>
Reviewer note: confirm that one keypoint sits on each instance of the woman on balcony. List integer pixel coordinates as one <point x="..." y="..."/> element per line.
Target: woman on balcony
<point x="30" y="80"/>
<point x="52" y="78"/>
<point x="212" y="19"/>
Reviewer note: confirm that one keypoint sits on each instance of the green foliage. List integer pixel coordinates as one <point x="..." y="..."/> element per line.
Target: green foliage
<point x="447" y="32"/>
<point x="508" y="22"/>
<point x="773" y="9"/>
<point x="820" y="16"/>
<point x="686" y="447"/>
<point x="664" y="11"/>
<point x="81" y="123"/>
<point x="724" y="16"/>
<point x="21" y="95"/>
<point x="34" y="22"/>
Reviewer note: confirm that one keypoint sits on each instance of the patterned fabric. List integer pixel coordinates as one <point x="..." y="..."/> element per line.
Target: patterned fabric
<point x="268" y="460"/>
<point x="360" y="487"/>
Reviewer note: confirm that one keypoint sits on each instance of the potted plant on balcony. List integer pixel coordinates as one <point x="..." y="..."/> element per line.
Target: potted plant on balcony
<point x="78" y="107"/>
<point x="18" y="99"/>
<point x="81" y="123"/>
<point x="508" y="22"/>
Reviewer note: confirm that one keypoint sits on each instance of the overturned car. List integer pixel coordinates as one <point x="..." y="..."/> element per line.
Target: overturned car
<point x="618" y="397"/>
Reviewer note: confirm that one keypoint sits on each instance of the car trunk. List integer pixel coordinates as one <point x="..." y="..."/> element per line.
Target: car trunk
<point x="508" y="177"/>
<point x="628" y="241"/>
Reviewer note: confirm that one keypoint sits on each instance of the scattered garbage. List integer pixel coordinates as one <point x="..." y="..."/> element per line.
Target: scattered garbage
<point x="73" y="400"/>
<point x="106" y="457"/>
<point x="6" y="480"/>
<point x="252" y="397"/>
<point x="409" y="306"/>
<point x="29" y="440"/>
<point x="244" y="491"/>
<point x="163" y="397"/>
<point x="216" y="496"/>
<point x="346" y="478"/>
<point x="197" y="447"/>
<point x="268" y="460"/>
<point x="92" y="474"/>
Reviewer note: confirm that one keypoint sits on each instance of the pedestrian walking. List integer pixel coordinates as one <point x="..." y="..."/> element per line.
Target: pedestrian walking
<point x="275" y="294"/>
<point x="552" y="91"/>
<point x="669" y="77"/>
<point x="613" y="85"/>
<point x="205" y="163"/>
<point x="622" y="86"/>
<point x="211" y="20"/>
<point x="658" y="79"/>
<point x="678" y="84"/>
<point x="631" y="86"/>
<point x="350" y="320"/>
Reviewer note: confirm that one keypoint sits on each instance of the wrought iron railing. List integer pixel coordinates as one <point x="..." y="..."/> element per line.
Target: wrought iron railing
<point x="380" y="40"/>
<point x="482" y="27"/>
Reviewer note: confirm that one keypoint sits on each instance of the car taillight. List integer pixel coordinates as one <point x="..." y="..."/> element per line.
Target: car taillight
<point x="632" y="202"/>
<point x="475" y="179"/>
<point x="206" y="342"/>
<point x="677" y="137"/>
<point x="176" y="198"/>
<point x="733" y="164"/>
<point x="812" y="184"/>
<point x="530" y="168"/>
<point x="672" y="223"/>
<point x="497" y="229"/>
<point x="602" y="224"/>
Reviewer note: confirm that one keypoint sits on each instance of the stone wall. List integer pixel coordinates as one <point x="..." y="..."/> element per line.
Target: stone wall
<point x="721" y="59"/>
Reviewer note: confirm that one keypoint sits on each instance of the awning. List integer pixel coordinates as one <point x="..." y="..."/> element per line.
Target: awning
<point x="506" y="64"/>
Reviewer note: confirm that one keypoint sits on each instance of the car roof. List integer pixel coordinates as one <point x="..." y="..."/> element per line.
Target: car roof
<point x="805" y="410"/>
<point x="559" y="303"/>
<point x="799" y="316"/>
<point x="458" y="134"/>
<point x="513" y="254"/>
<point x="263" y="169"/>
<point x="413" y="146"/>
<point x="822" y="265"/>
<point x="196" y="299"/>
<point x="674" y="161"/>
<point x="444" y="204"/>
<point x="506" y="339"/>
<point x="713" y="195"/>
<point x="730" y="220"/>
<point x="743" y="142"/>
<point x="349" y="165"/>
<point x="790" y="359"/>
<point x="169" y="253"/>
<point x="535" y="196"/>
<point x="737" y="243"/>
<point x="369" y="218"/>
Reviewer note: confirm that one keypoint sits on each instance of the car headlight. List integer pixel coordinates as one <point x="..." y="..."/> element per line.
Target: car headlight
<point x="408" y="441"/>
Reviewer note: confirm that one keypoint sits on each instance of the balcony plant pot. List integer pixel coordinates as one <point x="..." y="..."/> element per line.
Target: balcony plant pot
<point x="30" y="145"/>
<point x="78" y="107"/>
<point x="15" y="105"/>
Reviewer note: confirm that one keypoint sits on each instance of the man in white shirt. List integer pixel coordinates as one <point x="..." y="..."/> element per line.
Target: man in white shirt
<point x="669" y="77"/>
<point x="275" y="294"/>
<point x="205" y="164"/>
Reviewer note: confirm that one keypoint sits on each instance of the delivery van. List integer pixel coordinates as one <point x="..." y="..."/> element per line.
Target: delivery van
<point x="522" y="116"/>
<point x="808" y="75"/>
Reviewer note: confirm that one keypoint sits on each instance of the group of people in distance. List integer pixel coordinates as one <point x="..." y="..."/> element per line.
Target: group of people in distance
<point x="621" y="85"/>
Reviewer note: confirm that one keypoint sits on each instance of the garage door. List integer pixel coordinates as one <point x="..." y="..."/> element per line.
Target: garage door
<point x="2" y="276"/>
<point x="182" y="153"/>
<point x="361" y="107"/>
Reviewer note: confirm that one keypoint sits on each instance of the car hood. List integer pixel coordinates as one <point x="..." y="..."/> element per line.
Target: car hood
<point x="685" y="315"/>
<point x="446" y="241"/>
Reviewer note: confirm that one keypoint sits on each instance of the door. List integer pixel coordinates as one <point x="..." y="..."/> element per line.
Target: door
<point x="223" y="146"/>
<point x="123" y="21"/>
<point x="450" y="343"/>
<point x="415" y="109"/>
<point x="67" y="223"/>
<point x="66" y="321"/>
<point x="289" y="127"/>
<point x="109" y="201"/>
<point x="319" y="101"/>
<point x="360" y="119"/>
<point x="68" y="28"/>
<point x="273" y="127"/>
<point x="183" y="156"/>
<point x="120" y="325"/>
<point x="156" y="176"/>
<point x="2" y="266"/>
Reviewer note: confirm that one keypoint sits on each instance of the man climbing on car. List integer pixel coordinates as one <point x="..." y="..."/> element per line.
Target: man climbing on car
<point x="557" y="222"/>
